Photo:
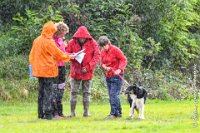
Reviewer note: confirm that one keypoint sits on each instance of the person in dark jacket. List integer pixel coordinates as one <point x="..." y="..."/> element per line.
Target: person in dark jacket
<point x="82" y="73"/>
<point x="113" y="61"/>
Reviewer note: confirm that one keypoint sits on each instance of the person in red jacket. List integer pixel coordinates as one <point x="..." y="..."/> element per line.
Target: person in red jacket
<point x="82" y="73"/>
<point x="113" y="61"/>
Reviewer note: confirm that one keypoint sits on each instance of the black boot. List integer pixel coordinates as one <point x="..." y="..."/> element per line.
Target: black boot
<point x="48" y="115"/>
<point x="86" y="109"/>
<point x="60" y="109"/>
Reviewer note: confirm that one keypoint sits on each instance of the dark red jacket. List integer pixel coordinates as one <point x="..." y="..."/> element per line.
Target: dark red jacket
<point x="91" y="57"/>
<point x="113" y="58"/>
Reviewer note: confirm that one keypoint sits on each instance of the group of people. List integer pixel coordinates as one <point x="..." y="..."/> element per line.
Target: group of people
<point x="47" y="57"/>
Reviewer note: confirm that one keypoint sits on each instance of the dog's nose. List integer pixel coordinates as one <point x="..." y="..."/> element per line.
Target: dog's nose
<point x="124" y="92"/>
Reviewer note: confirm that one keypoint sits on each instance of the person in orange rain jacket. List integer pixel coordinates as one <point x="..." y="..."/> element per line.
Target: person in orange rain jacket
<point x="43" y="58"/>
<point x="82" y="73"/>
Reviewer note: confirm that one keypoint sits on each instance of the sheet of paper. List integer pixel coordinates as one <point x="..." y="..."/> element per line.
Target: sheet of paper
<point x="79" y="57"/>
<point x="79" y="52"/>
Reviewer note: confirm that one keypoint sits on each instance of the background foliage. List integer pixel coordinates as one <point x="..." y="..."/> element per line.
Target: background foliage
<point x="161" y="39"/>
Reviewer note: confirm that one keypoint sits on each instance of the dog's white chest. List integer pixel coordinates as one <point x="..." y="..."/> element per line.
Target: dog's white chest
<point x="138" y="102"/>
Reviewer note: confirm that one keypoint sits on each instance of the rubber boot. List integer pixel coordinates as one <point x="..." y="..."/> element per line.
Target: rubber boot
<point x="60" y="108"/>
<point x="73" y="107"/>
<point x="86" y="109"/>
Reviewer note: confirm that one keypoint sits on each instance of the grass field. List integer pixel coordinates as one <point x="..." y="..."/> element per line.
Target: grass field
<point x="160" y="117"/>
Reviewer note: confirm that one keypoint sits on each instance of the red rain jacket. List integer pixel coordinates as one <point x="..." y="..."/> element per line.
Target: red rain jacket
<point x="91" y="57"/>
<point x="113" y="58"/>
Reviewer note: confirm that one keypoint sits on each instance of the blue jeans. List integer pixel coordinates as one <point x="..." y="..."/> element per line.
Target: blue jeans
<point x="114" y="85"/>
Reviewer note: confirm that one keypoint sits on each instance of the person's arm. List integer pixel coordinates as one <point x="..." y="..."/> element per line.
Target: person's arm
<point x="95" y="58"/>
<point x="68" y="48"/>
<point x="57" y="53"/>
<point x="122" y="61"/>
<point x="102" y="65"/>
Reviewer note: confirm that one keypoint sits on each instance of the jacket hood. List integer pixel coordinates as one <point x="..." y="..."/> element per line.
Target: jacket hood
<point x="82" y="32"/>
<point x="49" y="29"/>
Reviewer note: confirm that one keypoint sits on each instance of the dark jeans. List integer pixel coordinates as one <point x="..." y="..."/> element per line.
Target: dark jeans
<point x="45" y="97"/>
<point x="114" y="86"/>
<point x="58" y="91"/>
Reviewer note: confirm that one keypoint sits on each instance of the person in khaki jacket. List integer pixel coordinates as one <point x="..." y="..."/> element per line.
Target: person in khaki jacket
<point x="43" y="58"/>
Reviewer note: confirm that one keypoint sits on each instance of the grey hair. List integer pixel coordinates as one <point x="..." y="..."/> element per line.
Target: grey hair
<point x="103" y="40"/>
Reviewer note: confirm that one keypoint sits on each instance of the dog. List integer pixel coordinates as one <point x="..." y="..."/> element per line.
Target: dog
<point x="137" y="96"/>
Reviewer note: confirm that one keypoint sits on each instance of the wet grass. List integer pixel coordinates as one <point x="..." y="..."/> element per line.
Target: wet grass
<point x="160" y="117"/>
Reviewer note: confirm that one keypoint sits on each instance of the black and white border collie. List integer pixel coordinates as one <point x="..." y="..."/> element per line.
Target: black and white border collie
<point x="136" y="97"/>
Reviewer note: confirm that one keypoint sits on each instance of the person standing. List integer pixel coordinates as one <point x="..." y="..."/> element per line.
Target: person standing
<point x="59" y="83"/>
<point x="113" y="61"/>
<point x="82" y="73"/>
<point x="43" y="58"/>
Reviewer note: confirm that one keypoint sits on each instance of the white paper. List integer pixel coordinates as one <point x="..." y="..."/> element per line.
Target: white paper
<point x="79" y="57"/>
<point x="79" y="52"/>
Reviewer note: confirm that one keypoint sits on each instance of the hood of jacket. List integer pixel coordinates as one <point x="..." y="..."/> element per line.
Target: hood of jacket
<point x="49" y="29"/>
<point x="82" y="32"/>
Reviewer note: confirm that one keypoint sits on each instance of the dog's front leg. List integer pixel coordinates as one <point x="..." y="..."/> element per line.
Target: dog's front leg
<point x="141" y="113"/>
<point x="132" y="110"/>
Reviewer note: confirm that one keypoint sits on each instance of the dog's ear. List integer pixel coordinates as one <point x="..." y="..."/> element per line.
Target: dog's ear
<point x="140" y="92"/>
<point x="144" y="92"/>
<point x="134" y="85"/>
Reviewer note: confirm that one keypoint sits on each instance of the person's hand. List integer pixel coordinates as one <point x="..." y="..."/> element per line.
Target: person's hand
<point x="64" y="45"/>
<point x="117" y="72"/>
<point x="105" y="67"/>
<point x="84" y="70"/>
<point x="72" y="56"/>
<point x="108" y="68"/>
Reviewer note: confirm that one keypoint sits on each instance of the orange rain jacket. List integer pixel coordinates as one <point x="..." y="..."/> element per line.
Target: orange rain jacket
<point x="44" y="54"/>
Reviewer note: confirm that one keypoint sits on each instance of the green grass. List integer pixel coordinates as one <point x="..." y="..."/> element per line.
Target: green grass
<point x="160" y="117"/>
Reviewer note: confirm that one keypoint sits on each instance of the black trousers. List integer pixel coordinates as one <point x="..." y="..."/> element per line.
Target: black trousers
<point x="58" y="91"/>
<point x="45" y="95"/>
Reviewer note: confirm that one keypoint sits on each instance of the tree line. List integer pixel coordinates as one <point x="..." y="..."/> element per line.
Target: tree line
<point x="160" y="38"/>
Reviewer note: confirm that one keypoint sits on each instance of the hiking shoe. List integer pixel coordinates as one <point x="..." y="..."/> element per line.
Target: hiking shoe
<point x="110" y="117"/>
<point x="119" y="116"/>
<point x="56" y="117"/>
<point x="63" y="116"/>
<point x="40" y="116"/>
<point x="86" y="115"/>
<point x="70" y="116"/>
<point x="48" y="117"/>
